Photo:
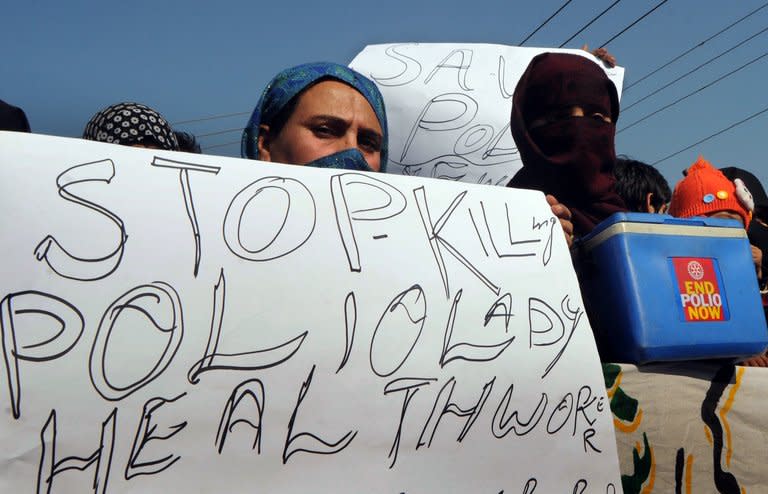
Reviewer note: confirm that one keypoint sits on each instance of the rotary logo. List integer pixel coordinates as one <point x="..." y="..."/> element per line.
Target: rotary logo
<point x="696" y="270"/>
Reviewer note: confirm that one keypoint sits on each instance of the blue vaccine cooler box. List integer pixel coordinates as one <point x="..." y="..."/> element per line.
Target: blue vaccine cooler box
<point x="659" y="288"/>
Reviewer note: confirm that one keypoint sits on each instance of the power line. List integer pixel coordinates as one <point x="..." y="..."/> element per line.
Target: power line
<point x="711" y="136"/>
<point x="227" y="131"/>
<point x="590" y="23"/>
<point x="635" y="22"/>
<point x="692" y="93"/>
<point x="545" y="22"/>
<point x="695" y="69"/>
<point x="222" y="145"/>
<point x="211" y="117"/>
<point x="701" y="43"/>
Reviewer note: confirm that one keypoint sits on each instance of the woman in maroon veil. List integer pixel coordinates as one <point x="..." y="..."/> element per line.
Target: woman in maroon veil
<point x="564" y="121"/>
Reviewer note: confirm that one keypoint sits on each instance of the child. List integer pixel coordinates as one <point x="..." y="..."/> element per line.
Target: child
<point x="705" y="191"/>
<point x="641" y="186"/>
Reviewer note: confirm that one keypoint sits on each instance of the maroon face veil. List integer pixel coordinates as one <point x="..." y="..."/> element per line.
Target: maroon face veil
<point x="571" y="158"/>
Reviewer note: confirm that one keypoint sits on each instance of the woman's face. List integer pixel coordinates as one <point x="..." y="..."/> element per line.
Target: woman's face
<point x="567" y="112"/>
<point x="329" y="117"/>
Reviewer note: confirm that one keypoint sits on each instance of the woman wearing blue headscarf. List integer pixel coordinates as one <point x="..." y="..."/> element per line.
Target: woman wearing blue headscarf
<point x="319" y="114"/>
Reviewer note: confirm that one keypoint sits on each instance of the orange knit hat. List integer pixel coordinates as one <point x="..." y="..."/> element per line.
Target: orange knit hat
<point x="705" y="190"/>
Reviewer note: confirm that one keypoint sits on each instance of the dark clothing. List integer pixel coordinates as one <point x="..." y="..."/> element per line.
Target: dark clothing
<point x="13" y="118"/>
<point x="571" y="158"/>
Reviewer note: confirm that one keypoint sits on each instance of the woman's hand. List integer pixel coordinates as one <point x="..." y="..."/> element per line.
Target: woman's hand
<point x="757" y="361"/>
<point x="564" y="215"/>
<point x="757" y="258"/>
<point x="602" y="54"/>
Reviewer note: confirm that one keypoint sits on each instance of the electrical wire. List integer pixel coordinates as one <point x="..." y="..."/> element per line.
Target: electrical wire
<point x="211" y="117"/>
<point x="724" y="76"/>
<point x="220" y="132"/>
<point x="589" y="23"/>
<point x="227" y="115"/>
<point x="633" y="23"/>
<point x="695" y="69"/>
<point x="701" y="43"/>
<point x="740" y="122"/>
<point x="545" y="22"/>
<point x="221" y="145"/>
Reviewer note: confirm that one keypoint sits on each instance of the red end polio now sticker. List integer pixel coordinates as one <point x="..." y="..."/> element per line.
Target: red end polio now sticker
<point x="701" y="297"/>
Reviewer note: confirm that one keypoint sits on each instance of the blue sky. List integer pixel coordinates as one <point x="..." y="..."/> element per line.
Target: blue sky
<point x="62" y="61"/>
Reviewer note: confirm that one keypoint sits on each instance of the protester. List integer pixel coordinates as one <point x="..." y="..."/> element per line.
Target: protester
<point x="131" y="124"/>
<point x="758" y="228"/>
<point x="564" y="121"/>
<point x="13" y="118"/>
<point x="705" y="191"/>
<point x="758" y="236"/>
<point x="641" y="186"/>
<point x="319" y="114"/>
<point x="187" y="142"/>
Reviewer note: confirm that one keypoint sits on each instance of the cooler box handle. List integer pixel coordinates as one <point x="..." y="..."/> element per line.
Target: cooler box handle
<point x="685" y="221"/>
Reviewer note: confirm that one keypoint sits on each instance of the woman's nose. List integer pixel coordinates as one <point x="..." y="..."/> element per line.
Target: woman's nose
<point x="577" y="111"/>
<point x="350" y="140"/>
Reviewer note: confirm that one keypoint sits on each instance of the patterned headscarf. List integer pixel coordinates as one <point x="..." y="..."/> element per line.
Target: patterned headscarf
<point x="291" y="82"/>
<point x="129" y="124"/>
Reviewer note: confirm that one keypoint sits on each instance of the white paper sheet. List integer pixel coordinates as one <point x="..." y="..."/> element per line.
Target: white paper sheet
<point x="448" y="106"/>
<point x="184" y="323"/>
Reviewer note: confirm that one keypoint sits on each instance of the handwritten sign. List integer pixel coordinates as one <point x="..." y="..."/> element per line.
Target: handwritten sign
<point x="184" y="323"/>
<point x="448" y="106"/>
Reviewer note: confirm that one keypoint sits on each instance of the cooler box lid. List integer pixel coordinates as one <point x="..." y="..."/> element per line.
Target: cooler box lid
<point x="662" y="224"/>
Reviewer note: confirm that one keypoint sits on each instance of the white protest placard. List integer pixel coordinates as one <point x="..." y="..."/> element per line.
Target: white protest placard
<point x="184" y="323"/>
<point x="448" y="106"/>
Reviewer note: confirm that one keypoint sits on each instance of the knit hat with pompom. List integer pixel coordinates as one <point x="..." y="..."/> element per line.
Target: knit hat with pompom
<point x="705" y="191"/>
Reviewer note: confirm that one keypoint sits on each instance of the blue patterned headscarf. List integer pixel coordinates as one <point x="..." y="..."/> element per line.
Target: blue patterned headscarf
<point x="290" y="82"/>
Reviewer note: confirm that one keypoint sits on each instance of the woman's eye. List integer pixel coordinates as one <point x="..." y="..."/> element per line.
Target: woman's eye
<point x="600" y="116"/>
<point x="369" y="144"/>
<point x="322" y="130"/>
